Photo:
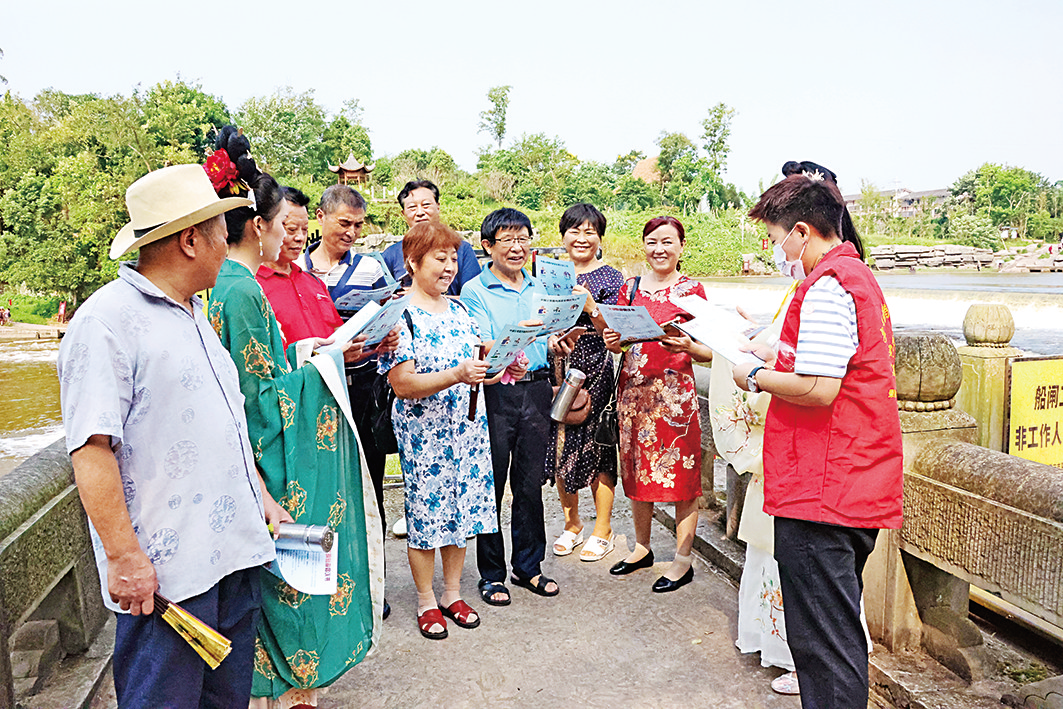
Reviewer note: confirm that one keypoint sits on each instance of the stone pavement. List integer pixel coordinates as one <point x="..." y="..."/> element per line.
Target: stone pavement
<point x="605" y="641"/>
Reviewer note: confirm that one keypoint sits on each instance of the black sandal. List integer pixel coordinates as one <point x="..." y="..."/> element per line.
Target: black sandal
<point x="490" y="588"/>
<point x="538" y="588"/>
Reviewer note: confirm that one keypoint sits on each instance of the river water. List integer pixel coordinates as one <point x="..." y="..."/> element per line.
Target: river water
<point x="29" y="391"/>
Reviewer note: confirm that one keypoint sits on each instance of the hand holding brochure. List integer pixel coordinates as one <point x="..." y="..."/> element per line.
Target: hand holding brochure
<point x="558" y="277"/>
<point x="385" y="321"/>
<point x="510" y="343"/>
<point x="633" y="322"/>
<point x="373" y="321"/>
<point x="307" y="570"/>
<point x="719" y="328"/>
<point x="558" y="312"/>
<point x="357" y="299"/>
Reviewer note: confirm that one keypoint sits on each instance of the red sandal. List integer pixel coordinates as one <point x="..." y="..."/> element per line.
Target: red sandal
<point x="459" y="611"/>
<point x="431" y="617"/>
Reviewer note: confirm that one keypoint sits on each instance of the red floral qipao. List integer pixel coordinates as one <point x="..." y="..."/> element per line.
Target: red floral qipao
<point x="660" y="432"/>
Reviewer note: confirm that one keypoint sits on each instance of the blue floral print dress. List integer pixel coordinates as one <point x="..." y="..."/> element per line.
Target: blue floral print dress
<point x="445" y="457"/>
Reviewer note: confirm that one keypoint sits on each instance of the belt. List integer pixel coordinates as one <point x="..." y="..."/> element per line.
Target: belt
<point x="537" y="376"/>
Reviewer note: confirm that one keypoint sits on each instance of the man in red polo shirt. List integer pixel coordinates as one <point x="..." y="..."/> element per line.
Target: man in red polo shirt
<point x="300" y="301"/>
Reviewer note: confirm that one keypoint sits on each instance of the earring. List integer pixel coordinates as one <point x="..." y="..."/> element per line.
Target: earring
<point x="260" y="254"/>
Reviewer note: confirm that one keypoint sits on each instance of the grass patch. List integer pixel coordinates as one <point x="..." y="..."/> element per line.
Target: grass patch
<point x="1035" y="672"/>
<point x="33" y="309"/>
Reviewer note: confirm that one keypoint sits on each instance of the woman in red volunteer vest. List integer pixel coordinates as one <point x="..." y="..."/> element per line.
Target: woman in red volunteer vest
<point x="832" y="439"/>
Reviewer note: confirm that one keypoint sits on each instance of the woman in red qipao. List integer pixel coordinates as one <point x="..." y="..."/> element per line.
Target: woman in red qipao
<point x="660" y="432"/>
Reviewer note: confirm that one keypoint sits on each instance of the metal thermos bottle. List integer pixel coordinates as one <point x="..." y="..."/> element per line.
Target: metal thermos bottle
<point x="566" y="394"/>
<point x="305" y="537"/>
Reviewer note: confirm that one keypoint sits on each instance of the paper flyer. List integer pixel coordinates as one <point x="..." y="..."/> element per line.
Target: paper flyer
<point x="558" y="277"/>
<point x="633" y="322"/>
<point x="511" y="342"/>
<point x="384" y="321"/>
<point x="558" y="312"/>
<point x="312" y="572"/>
<point x="350" y="329"/>
<point x="720" y="328"/>
<point x="357" y="299"/>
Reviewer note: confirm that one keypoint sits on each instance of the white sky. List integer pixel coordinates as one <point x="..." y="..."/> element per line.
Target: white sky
<point x="905" y="93"/>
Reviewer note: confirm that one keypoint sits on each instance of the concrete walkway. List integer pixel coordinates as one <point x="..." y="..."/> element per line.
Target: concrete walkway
<point x="605" y="641"/>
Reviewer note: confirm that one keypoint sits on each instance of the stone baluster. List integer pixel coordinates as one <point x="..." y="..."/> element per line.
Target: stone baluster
<point x="988" y="329"/>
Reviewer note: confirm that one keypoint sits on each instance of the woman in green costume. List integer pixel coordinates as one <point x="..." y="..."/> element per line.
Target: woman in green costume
<point x="307" y="453"/>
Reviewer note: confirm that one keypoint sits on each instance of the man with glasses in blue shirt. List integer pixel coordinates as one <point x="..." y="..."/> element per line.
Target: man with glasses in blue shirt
<point x="518" y="413"/>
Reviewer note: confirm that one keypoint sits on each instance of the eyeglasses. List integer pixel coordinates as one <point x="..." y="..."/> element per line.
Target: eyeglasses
<point x="509" y="241"/>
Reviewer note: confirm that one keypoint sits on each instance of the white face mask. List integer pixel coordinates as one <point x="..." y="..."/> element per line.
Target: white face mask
<point x="794" y="269"/>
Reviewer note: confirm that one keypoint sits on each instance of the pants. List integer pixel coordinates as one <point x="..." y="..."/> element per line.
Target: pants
<point x="359" y="388"/>
<point x="820" y="567"/>
<point x="519" y="427"/>
<point x="155" y="668"/>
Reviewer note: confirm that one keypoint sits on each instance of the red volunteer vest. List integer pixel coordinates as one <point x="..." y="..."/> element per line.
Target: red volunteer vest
<point x="840" y="464"/>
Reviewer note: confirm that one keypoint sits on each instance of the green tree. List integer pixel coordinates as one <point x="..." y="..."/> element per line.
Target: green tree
<point x="590" y="182"/>
<point x="673" y="146"/>
<point x="624" y="164"/>
<point x="285" y="130"/>
<point x="634" y="193"/>
<point x="181" y="118"/>
<point x="872" y="209"/>
<point x="716" y="133"/>
<point x="493" y="120"/>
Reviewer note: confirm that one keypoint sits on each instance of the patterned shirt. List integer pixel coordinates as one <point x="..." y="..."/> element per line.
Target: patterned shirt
<point x="137" y="366"/>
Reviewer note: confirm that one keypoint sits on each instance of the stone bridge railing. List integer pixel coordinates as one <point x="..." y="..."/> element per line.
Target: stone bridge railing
<point x="48" y="579"/>
<point x="973" y="516"/>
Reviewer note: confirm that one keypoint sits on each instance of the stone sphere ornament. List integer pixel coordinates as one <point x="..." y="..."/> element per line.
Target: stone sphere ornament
<point x="929" y="372"/>
<point x="988" y="325"/>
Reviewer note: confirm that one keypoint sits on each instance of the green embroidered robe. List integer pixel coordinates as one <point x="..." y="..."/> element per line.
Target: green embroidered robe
<point x="310" y="460"/>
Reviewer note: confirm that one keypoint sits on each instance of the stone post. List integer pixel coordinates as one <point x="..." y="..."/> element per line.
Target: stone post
<point x="988" y="330"/>
<point x="905" y="609"/>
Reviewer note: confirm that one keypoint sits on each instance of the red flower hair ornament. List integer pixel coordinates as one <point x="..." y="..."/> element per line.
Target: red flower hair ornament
<point x="222" y="172"/>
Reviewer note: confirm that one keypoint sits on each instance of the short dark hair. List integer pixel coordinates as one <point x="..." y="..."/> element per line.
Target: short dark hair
<point x="295" y="196"/>
<point x="811" y="169"/>
<point x="582" y="212"/>
<point x="417" y="185"/>
<point x="425" y="237"/>
<point x="336" y="195"/>
<point x="657" y="222"/>
<point x="800" y="198"/>
<point x="505" y="218"/>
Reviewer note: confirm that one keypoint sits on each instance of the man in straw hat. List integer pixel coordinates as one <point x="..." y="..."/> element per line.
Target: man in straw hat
<point x="155" y="427"/>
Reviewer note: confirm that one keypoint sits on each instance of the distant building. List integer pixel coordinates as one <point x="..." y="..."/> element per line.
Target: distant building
<point x="351" y="172"/>
<point x="903" y="202"/>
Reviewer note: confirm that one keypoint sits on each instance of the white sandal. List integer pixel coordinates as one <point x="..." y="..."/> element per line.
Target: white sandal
<point x="786" y="684"/>
<point x="596" y="548"/>
<point x="567" y="542"/>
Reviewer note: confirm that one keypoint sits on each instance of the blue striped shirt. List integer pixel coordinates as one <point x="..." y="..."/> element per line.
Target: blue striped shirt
<point x="828" y="337"/>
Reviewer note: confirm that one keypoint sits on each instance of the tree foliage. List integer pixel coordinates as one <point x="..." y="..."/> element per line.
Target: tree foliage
<point x="285" y="130"/>
<point x="716" y="132"/>
<point x="493" y="120"/>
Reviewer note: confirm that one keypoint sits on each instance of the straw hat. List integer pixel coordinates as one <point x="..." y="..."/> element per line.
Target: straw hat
<point x="167" y="201"/>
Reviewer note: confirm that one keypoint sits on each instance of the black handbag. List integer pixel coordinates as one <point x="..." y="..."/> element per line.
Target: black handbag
<point x="381" y="401"/>
<point x="607" y="430"/>
<point x="382" y="398"/>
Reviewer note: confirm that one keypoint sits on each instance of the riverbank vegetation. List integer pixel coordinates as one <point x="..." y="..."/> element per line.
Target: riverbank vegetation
<point x="66" y="160"/>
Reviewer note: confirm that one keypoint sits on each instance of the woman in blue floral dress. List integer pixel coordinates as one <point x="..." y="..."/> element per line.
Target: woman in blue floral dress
<point x="446" y="458"/>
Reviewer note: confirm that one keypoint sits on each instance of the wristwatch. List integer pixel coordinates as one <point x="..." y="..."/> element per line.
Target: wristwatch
<point x="751" y="379"/>
<point x="595" y="313"/>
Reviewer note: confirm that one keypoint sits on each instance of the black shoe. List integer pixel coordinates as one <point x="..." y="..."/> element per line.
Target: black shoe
<point x="667" y="585"/>
<point x="387" y="610"/>
<point x="622" y="568"/>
